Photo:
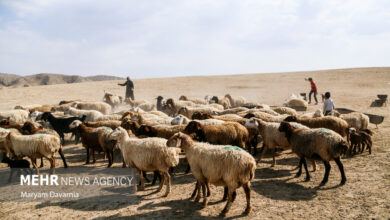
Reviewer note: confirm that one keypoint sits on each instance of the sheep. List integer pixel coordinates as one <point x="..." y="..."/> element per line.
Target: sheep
<point x="29" y="128"/>
<point x="217" y="106"/>
<point x="336" y="124"/>
<point x="111" y="124"/>
<point x="194" y="100"/>
<point x="101" y="107"/>
<point x="180" y="120"/>
<point x="65" y="102"/>
<point x="200" y="116"/>
<point x="147" y="107"/>
<point x="233" y="110"/>
<point x="265" y="116"/>
<point x="18" y="116"/>
<point x="6" y="123"/>
<point x="106" y="143"/>
<point x="91" y="115"/>
<point x="210" y="121"/>
<point x="228" y="133"/>
<point x="227" y="166"/>
<point x="61" y="125"/>
<point x="189" y="111"/>
<point x="134" y="103"/>
<point x="268" y="111"/>
<point x="272" y="138"/>
<point x="15" y="165"/>
<point x="89" y="138"/>
<point x="356" y="119"/>
<point x="285" y="110"/>
<point x="110" y="117"/>
<point x="225" y="102"/>
<point x="151" y="119"/>
<point x="236" y="101"/>
<point x="112" y="100"/>
<point x="172" y="106"/>
<point x="34" y="146"/>
<point x="317" y="114"/>
<point x="319" y="143"/>
<point x="159" y="104"/>
<point x="148" y="154"/>
<point x="159" y="131"/>
<point x="295" y="101"/>
<point x="360" y="139"/>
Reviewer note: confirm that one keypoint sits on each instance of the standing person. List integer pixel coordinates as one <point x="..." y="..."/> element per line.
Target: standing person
<point x="129" y="88"/>
<point x="313" y="90"/>
<point x="328" y="104"/>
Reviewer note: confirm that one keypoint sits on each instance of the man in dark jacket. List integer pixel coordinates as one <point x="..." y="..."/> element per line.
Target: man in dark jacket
<point x="129" y="88"/>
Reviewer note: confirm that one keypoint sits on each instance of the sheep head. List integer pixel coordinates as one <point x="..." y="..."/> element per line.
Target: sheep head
<point x="5" y="122"/>
<point x="195" y="129"/>
<point x="75" y="124"/>
<point x="116" y="134"/>
<point x="249" y="115"/>
<point x="183" y="98"/>
<point x="290" y="119"/>
<point x="144" y="130"/>
<point x="252" y="123"/>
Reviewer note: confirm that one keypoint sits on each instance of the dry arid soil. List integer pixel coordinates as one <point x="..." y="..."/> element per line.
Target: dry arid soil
<point x="276" y="194"/>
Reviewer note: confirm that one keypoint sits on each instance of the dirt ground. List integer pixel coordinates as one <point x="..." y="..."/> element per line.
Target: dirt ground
<point x="276" y="194"/>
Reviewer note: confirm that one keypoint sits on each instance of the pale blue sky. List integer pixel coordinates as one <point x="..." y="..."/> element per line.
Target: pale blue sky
<point x="162" y="38"/>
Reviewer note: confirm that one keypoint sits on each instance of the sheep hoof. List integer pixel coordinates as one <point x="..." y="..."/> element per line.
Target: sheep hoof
<point x="247" y="211"/>
<point x="307" y="179"/>
<point x="223" y="214"/>
<point x="343" y="182"/>
<point x="166" y="194"/>
<point x="322" y="183"/>
<point x="204" y="204"/>
<point x="298" y="175"/>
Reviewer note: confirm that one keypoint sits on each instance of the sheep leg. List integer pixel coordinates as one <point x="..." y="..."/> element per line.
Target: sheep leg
<point x="204" y="195"/>
<point x="229" y="202"/>
<point x="341" y="168"/>
<point x="313" y="163"/>
<point x="161" y="183"/>
<point x="208" y="188"/>
<point x="307" y="171"/>
<point x="273" y="157"/>
<point x="168" y="177"/>
<point x="188" y="169"/>
<point x="262" y="153"/>
<point x="34" y="163"/>
<point x="62" y="157"/>
<point x="327" y="170"/>
<point x="93" y="155"/>
<point x="109" y="158"/>
<point x="156" y="175"/>
<point x="142" y="187"/>
<point x="300" y="168"/>
<point x="194" y="193"/>
<point x="198" y="188"/>
<point x="87" y="162"/>
<point x="52" y="164"/>
<point x="40" y="166"/>
<point x="247" y="190"/>
<point x="225" y="193"/>
<point x="62" y="137"/>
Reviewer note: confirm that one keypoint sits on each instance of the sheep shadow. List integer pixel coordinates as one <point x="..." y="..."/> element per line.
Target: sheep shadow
<point x="281" y="190"/>
<point x="269" y="173"/>
<point x="177" y="209"/>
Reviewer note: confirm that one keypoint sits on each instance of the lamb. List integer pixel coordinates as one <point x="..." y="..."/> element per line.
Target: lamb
<point x="159" y="131"/>
<point x="229" y="133"/>
<point x="34" y="146"/>
<point x="194" y="100"/>
<point x="189" y="111"/>
<point x="236" y="101"/>
<point x="101" y="107"/>
<point x="91" y="115"/>
<point x="272" y="137"/>
<point x="320" y="143"/>
<point x="89" y="138"/>
<point x="225" y="102"/>
<point x="180" y="120"/>
<point x="148" y="154"/>
<point x="29" y="128"/>
<point x="112" y="100"/>
<point x="221" y="165"/>
<point x="285" y="110"/>
<point x="356" y="119"/>
<point x="360" y="139"/>
<point x="61" y="125"/>
<point x="111" y="124"/>
<point x="18" y="116"/>
<point x="15" y="165"/>
<point x="336" y="124"/>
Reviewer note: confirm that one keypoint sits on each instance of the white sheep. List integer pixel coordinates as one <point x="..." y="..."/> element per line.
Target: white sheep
<point x="227" y="166"/>
<point x="91" y="115"/>
<point x="356" y="119"/>
<point x="147" y="154"/>
<point x="34" y="146"/>
<point x="97" y="106"/>
<point x="17" y="116"/>
<point x="236" y="101"/>
<point x="180" y="120"/>
<point x="318" y="113"/>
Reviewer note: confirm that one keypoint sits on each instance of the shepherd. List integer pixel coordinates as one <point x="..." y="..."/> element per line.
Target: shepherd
<point x="129" y="88"/>
<point x="313" y="90"/>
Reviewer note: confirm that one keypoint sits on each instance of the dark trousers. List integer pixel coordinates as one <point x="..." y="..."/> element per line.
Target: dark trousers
<point x="315" y="95"/>
<point x="328" y="113"/>
<point x="130" y="94"/>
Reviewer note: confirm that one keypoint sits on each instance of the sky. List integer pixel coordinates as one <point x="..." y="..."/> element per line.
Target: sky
<point x="164" y="38"/>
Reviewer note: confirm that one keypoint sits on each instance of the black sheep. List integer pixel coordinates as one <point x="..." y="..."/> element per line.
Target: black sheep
<point x="16" y="165"/>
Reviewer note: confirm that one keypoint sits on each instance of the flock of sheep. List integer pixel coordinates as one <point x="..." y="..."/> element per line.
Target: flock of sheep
<point x="218" y="136"/>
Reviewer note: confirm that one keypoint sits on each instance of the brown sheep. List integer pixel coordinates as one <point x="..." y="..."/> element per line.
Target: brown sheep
<point x="229" y="133"/>
<point x="360" y="139"/>
<point x="159" y="131"/>
<point x="336" y="124"/>
<point x="111" y="124"/>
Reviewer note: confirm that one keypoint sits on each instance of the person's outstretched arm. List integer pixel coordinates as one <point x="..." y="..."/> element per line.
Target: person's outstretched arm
<point x="122" y="84"/>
